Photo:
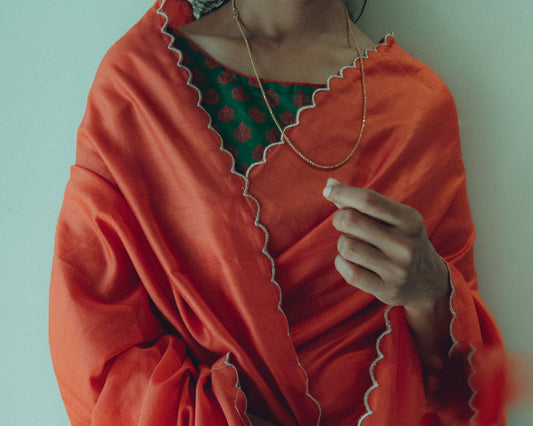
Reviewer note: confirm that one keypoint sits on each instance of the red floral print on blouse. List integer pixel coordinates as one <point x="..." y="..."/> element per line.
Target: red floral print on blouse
<point x="226" y="114"/>
<point x="198" y="76"/>
<point x="210" y="63"/>
<point x="257" y="153"/>
<point x="273" y="98"/>
<point x="257" y="115"/>
<point x="239" y="94"/>
<point x="243" y="132"/>
<point x="272" y="136"/>
<point x="236" y="106"/>
<point x="301" y="99"/>
<point x="226" y="77"/>
<point x="252" y="81"/>
<point x="211" y="97"/>
<point x="286" y="118"/>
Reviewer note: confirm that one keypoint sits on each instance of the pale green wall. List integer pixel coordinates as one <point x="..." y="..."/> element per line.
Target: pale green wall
<point x="50" y="51"/>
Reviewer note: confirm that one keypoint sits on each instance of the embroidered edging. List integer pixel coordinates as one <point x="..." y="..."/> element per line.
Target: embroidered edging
<point x="280" y="294"/>
<point x="313" y="105"/>
<point x="474" y="391"/>
<point x="163" y="30"/>
<point x="237" y="386"/>
<point x="257" y="223"/>
<point x="380" y="356"/>
<point x="327" y="88"/>
<point x="455" y="342"/>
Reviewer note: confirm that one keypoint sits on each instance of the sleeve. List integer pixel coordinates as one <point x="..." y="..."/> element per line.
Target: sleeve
<point x="115" y="360"/>
<point x="473" y="385"/>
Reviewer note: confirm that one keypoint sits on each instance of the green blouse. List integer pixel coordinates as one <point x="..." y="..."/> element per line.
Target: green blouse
<point x="236" y="106"/>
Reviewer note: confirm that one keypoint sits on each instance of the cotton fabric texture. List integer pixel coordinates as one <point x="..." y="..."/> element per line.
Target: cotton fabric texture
<point x="185" y="293"/>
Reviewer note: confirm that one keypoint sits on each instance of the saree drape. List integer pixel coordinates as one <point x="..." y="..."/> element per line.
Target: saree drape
<point x="185" y="293"/>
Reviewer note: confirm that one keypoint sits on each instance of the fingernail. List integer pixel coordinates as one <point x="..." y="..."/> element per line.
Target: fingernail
<point x="329" y="185"/>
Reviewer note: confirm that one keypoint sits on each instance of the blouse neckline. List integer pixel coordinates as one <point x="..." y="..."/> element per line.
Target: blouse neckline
<point x="175" y="18"/>
<point x="178" y="33"/>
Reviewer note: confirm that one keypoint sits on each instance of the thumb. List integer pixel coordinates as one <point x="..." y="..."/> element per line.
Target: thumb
<point x="328" y="188"/>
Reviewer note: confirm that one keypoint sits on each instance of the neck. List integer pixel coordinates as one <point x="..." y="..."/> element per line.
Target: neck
<point x="280" y="20"/>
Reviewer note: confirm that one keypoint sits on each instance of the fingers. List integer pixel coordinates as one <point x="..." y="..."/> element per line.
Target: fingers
<point x="331" y="182"/>
<point x="366" y="201"/>
<point x="392" y="291"/>
<point x="366" y="215"/>
<point x="362" y="227"/>
<point x="384" y="249"/>
<point x="363" y="254"/>
<point x="392" y="243"/>
<point x="372" y="258"/>
<point x="358" y="277"/>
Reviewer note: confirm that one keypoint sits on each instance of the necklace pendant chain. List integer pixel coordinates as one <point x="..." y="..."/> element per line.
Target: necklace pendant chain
<point x="284" y="137"/>
<point x="236" y="14"/>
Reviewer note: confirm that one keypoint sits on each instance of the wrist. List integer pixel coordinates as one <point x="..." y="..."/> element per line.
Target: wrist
<point x="436" y="300"/>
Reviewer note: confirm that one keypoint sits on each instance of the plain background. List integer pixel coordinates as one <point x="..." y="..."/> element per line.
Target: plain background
<point x="50" y="52"/>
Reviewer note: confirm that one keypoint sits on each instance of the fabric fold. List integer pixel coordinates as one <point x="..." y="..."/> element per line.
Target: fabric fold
<point x="185" y="293"/>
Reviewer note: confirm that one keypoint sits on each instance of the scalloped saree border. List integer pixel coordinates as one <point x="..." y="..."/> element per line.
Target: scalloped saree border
<point x="339" y="75"/>
<point x="245" y="177"/>
<point x="319" y="91"/>
<point x="257" y="222"/>
<point x="455" y="342"/>
<point x="388" y="330"/>
<point x="381" y="355"/>
<point x="237" y="386"/>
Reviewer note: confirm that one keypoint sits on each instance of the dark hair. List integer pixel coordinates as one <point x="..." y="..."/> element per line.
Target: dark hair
<point x="355" y="8"/>
<point x="361" y="11"/>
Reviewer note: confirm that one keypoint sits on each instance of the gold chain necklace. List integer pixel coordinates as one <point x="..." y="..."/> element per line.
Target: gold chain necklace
<point x="236" y="15"/>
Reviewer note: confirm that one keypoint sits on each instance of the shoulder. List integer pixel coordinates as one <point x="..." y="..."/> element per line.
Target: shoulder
<point x="142" y="58"/>
<point x="138" y="79"/>
<point x="142" y="42"/>
<point x="407" y="81"/>
<point x="414" y="71"/>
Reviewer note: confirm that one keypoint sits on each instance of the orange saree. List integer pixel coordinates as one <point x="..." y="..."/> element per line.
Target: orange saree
<point x="185" y="293"/>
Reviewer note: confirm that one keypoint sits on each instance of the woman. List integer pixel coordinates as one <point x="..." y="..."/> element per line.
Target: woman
<point x="207" y="271"/>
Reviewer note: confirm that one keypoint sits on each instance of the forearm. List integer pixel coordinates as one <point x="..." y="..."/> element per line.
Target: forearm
<point x="430" y="328"/>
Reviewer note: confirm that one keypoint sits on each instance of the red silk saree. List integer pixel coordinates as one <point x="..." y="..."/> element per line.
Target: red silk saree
<point x="186" y="293"/>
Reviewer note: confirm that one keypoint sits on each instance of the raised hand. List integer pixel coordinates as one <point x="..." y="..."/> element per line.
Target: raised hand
<point x="384" y="249"/>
